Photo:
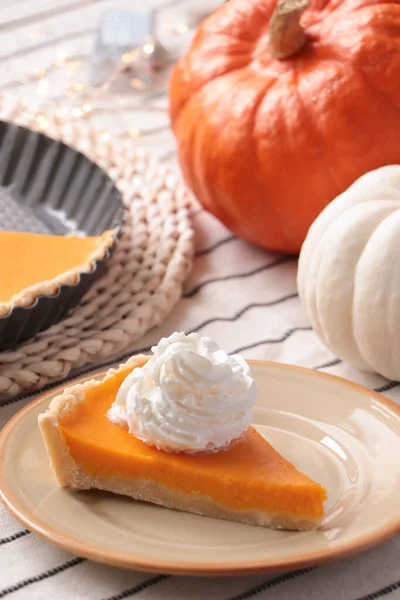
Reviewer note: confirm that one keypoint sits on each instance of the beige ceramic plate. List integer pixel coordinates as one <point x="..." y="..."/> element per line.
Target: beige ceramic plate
<point x="340" y="434"/>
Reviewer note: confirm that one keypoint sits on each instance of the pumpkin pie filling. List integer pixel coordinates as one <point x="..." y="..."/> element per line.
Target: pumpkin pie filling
<point x="36" y="264"/>
<point x="250" y="475"/>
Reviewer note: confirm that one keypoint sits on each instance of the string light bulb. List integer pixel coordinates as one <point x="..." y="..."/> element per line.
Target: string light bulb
<point x="42" y="121"/>
<point x="39" y="73"/>
<point x="72" y="66"/>
<point x="77" y="112"/>
<point x="138" y="84"/>
<point x="148" y="48"/>
<point x="80" y="99"/>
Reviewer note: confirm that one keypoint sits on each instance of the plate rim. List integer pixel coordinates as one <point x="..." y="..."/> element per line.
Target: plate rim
<point x="179" y="567"/>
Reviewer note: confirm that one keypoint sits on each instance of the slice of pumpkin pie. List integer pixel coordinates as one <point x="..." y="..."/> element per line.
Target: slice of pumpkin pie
<point x="174" y="429"/>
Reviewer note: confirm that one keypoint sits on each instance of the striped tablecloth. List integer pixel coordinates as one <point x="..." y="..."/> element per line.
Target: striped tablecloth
<point x="243" y="297"/>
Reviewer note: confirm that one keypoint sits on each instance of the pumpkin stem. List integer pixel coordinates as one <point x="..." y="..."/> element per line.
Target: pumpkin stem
<point x="286" y="36"/>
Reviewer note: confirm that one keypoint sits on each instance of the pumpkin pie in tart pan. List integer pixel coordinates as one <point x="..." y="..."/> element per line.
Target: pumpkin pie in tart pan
<point x="174" y="429"/>
<point x="60" y="218"/>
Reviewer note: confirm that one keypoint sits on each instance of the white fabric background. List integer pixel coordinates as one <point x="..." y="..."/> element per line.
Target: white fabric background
<point x="243" y="297"/>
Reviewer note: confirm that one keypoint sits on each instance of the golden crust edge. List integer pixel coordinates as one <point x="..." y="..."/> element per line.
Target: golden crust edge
<point x="28" y="296"/>
<point x="63" y="404"/>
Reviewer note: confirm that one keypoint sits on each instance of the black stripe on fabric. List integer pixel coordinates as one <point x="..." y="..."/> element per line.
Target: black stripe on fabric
<point x="382" y="592"/>
<point x="230" y="238"/>
<point x="200" y="286"/>
<point x="242" y="311"/>
<point x="196" y="211"/>
<point x="330" y="363"/>
<point x="154" y="130"/>
<point x="14" y="536"/>
<point x="124" y="357"/>
<point x="271" y="583"/>
<point x="138" y="588"/>
<point x="47" y="14"/>
<point x="167" y="155"/>
<point x="27" y="79"/>
<point x="52" y="43"/>
<point x="50" y="573"/>
<point x="383" y="388"/>
<point x="283" y="338"/>
<point x="387" y="386"/>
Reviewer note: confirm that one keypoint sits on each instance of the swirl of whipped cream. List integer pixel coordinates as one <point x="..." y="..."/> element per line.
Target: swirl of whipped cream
<point x="190" y="396"/>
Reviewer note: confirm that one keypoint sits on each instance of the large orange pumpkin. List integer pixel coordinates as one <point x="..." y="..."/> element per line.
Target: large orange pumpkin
<point x="274" y="117"/>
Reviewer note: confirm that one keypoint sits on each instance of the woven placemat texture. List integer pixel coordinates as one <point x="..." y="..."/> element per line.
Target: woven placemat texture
<point x="144" y="276"/>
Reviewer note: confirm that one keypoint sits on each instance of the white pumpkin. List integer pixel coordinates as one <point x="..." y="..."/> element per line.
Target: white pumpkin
<point x="349" y="273"/>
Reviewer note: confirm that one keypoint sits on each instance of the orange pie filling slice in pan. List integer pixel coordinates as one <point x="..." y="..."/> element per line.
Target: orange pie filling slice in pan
<point x="37" y="264"/>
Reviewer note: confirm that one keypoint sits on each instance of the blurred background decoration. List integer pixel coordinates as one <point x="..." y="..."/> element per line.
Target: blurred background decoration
<point x="113" y="70"/>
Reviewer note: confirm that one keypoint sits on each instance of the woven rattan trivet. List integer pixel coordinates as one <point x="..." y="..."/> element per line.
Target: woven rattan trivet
<point x="144" y="277"/>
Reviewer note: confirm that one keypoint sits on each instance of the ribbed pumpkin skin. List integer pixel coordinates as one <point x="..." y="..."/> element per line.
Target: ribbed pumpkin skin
<point x="266" y="144"/>
<point x="349" y="274"/>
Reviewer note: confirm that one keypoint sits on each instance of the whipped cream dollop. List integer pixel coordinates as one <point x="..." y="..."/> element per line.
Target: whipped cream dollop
<point x="190" y="396"/>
